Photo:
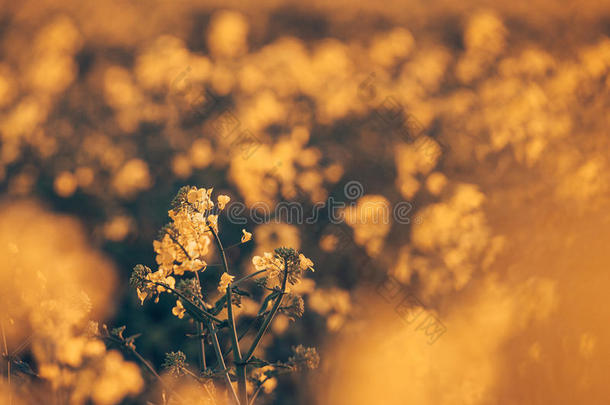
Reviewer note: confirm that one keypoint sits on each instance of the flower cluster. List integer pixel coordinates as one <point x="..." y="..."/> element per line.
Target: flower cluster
<point x="50" y="288"/>
<point x="284" y="262"/>
<point x="304" y="357"/>
<point x="183" y="244"/>
<point x="175" y="363"/>
<point x="182" y="248"/>
<point x="185" y="241"/>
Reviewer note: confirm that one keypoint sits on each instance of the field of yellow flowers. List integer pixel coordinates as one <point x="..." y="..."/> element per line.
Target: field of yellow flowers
<point x="244" y="203"/>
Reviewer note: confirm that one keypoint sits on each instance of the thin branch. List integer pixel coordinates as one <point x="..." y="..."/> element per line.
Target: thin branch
<point x="146" y="364"/>
<point x="234" y="339"/>
<point x="202" y="364"/>
<point x="22" y="345"/>
<point x="190" y="373"/>
<point x="8" y="363"/>
<point x="179" y="294"/>
<point x="269" y="318"/>
<point x="235" y="245"/>
<point x="239" y="366"/>
<point x="241" y="280"/>
<point x="221" y="361"/>
<point x="220" y="248"/>
<point x="242" y="334"/>
<point x="258" y="390"/>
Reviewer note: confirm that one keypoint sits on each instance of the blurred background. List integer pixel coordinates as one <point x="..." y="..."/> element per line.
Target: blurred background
<point x="486" y="122"/>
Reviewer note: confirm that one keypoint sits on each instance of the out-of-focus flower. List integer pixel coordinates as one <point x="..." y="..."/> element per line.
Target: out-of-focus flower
<point x="305" y="263"/>
<point x="223" y="200"/>
<point x="329" y="242"/>
<point x="333" y="303"/>
<point x="267" y="262"/>
<point x="227" y="35"/>
<point x="305" y="357"/>
<point x="388" y="48"/>
<point x="133" y="177"/>
<point x="179" y="310"/>
<point x="264" y="375"/>
<point x="118" y="228"/>
<point x="458" y="231"/>
<point x="370" y="220"/>
<point x="117" y="380"/>
<point x="141" y="295"/>
<point x="65" y="184"/>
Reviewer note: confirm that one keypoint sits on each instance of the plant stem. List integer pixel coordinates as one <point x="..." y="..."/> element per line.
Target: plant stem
<point x="179" y="294"/>
<point x="239" y="365"/>
<point x="241" y="280"/>
<point x="258" y="390"/>
<point x="8" y="363"/>
<point x="221" y="361"/>
<point x="221" y="249"/>
<point x="242" y="334"/>
<point x="269" y="318"/>
<point x="146" y="364"/>
<point x="200" y="327"/>
<point x="202" y="364"/>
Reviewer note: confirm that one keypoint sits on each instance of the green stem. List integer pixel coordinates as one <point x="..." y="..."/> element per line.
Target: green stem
<point x="202" y="364"/>
<point x="269" y="318"/>
<point x="220" y="248"/>
<point x="258" y="390"/>
<point x="221" y="361"/>
<point x="242" y="334"/>
<point x="179" y="294"/>
<point x="8" y="363"/>
<point x="241" y="280"/>
<point x="239" y="366"/>
<point x="146" y="364"/>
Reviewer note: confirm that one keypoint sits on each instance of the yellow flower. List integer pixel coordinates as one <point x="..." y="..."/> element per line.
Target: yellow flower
<point x="200" y="198"/>
<point x="259" y="263"/>
<point x="213" y="221"/>
<point x="223" y="200"/>
<point x="178" y="310"/>
<point x="225" y="280"/>
<point x="268" y="384"/>
<point x="267" y="262"/>
<point x="195" y="195"/>
<point x="197" y="265"/>
<point x="159" y="277"/>
<point x="246" y="236"/>
<point x="141" y="295"/>
<point x="305" y="263"/>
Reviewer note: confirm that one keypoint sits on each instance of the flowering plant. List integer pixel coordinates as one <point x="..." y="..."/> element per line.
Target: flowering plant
<point x="181" y="254"/>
